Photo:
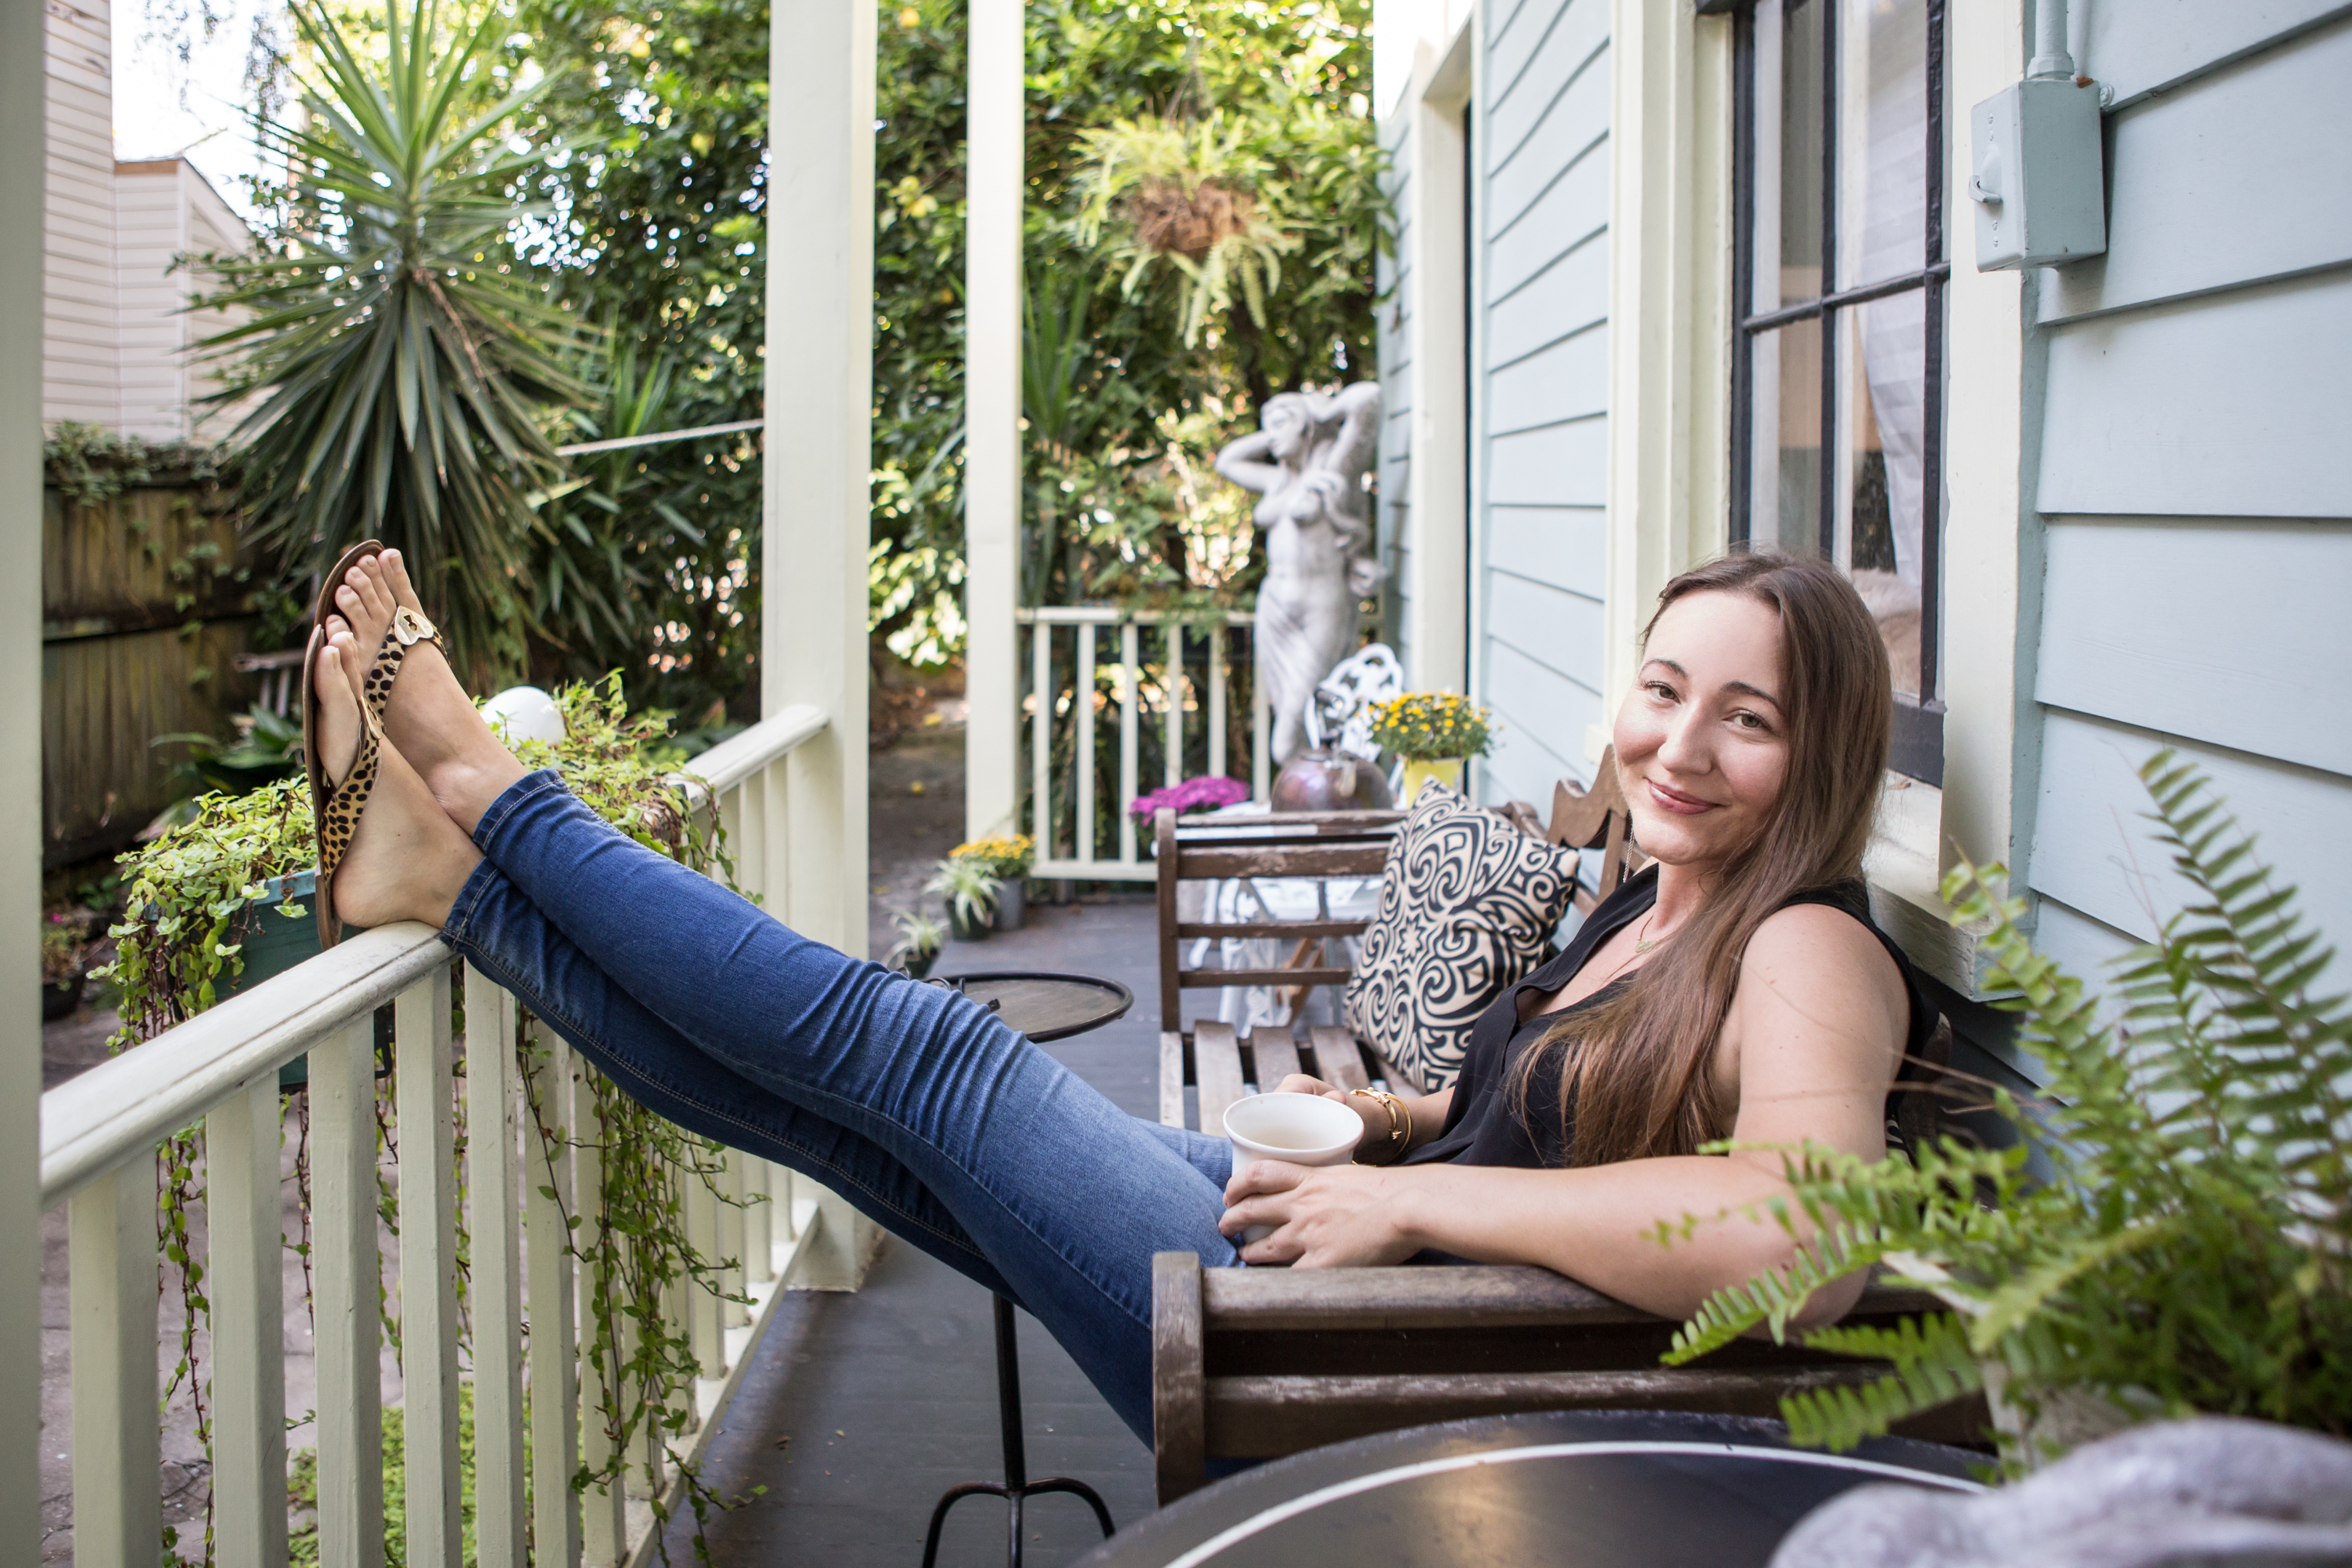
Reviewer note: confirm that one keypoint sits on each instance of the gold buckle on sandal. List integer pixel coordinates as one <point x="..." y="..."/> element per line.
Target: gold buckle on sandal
<point x="412" y="628"/>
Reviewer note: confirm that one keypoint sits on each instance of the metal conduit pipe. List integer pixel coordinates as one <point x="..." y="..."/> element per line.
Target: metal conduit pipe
<point x="2050" y="61"/>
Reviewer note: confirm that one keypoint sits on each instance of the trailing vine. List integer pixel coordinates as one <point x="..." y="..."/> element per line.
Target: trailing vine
<point x="198" y="898"/>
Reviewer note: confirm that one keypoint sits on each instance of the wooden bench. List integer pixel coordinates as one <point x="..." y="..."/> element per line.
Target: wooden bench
<point x="1259" y="1363"/>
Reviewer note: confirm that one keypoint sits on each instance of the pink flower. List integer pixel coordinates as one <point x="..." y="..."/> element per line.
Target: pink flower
<point x="1193" y="795"/>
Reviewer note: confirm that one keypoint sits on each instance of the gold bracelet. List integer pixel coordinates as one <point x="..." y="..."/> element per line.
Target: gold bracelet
<point x="1400" y="1137"/>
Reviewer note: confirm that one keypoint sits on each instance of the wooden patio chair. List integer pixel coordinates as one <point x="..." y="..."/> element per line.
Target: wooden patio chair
<point x="1253" y="1363"/>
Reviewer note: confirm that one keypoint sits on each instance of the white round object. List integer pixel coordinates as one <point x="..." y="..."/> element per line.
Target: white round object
<point x="525" y="713"/>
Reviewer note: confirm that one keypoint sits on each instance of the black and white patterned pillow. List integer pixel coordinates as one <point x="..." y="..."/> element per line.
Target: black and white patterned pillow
<point x="1467" y="903"/>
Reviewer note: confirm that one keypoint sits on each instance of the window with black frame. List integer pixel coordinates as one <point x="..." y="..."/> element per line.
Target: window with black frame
<point x="1838" y="279"/>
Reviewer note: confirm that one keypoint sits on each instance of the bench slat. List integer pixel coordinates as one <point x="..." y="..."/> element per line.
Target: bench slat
<point x="1337" y="1060"/>
<point x="1171" y="1079"/>
<point x="1238" y="930"/>
<point x="1503" y="1295"/>
<point x="1264" y="1418"/>
<point x="1209" y="979"/>
<point x="1217" y="1063"/>
<point x="1276" y="1054"/>
<point x="1304" y="859"/>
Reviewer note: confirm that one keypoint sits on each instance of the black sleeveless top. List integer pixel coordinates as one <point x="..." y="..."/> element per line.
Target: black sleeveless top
<point x="1483" y="1127"/>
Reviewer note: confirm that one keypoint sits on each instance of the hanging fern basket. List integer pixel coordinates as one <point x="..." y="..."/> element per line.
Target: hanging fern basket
<point x="1188" y="218"/>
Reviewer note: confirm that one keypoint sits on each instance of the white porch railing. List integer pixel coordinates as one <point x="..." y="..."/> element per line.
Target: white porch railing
<point x="1151" y="684"/>
<point x="99" y="1134"/>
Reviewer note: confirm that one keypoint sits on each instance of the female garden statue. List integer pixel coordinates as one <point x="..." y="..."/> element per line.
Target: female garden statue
<point x="1308" y="462"/>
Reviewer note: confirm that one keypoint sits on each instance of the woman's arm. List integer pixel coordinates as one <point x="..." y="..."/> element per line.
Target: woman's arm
<point x="1810" y="1049"/>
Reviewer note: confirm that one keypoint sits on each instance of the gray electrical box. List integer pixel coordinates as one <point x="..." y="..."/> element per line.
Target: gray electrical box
<point x="2040" y="196"/>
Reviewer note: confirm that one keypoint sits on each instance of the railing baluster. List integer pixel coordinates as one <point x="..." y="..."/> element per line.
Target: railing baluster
<point x="554" y="1364"/>
<point x="1040" y="738"/>
<point x="743" y="811"/>
<point x="241" y="1214"/>
<point x="1083" y="753"/>
<point x="429" y="1270"/>
<point x="731" y="1314"/>
<point x="776" y="846"/>
<point x="117" y="1437"/>
<point x="1172" y="688"/>
<point x="703" y="1303"/>
<point x="604" y="1535"/>
<point x="758" y="1219"/>
<point x="490" y="1171"/>
<point x="345" y="1275"/>
<point x="1217" y="635"/>
<point x="1130" y="697"/>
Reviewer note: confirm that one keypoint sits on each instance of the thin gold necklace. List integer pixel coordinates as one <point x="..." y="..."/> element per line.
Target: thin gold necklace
<point x="1641" y="944"/>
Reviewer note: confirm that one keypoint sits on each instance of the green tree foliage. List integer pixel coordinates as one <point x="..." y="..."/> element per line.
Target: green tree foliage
<point x="404" y="372"/>
<point x="2188" y="1252"/>
<point x="1123" y="412"/>
<point x="656" y="230"/>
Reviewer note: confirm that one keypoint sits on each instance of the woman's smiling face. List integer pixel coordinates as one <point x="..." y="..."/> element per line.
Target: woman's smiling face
<point x="1702" y="740"/>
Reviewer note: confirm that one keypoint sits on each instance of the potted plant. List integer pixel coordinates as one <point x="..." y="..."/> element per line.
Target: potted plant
<point x="920" y="937"/>
<point x="2171" y="1231"/>
<point x="971" y="890"/>
<point x="1434" y="733"/>
<point x="1008" y="860"/>
<point x="65" y="954"/>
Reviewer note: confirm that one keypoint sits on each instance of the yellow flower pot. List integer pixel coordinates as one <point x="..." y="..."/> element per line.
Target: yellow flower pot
<point x="1446" y="770"/>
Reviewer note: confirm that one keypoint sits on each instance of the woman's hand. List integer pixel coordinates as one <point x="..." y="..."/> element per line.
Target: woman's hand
<point x="1373" y="1115"/>
<point x="1325" y="1216"/>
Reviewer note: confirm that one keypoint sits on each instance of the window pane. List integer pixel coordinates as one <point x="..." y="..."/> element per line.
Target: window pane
<point x="1881" y="138"/>
<point x="1785" y="509"/>
<point x="1883" y="353"/>
<point x="1788" y="108"/>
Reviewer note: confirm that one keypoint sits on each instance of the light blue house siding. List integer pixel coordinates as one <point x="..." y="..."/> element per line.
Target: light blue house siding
<point x="2195" y="470"/>
<point x="1539" y="292"/>
<point x="1394" y="347"/>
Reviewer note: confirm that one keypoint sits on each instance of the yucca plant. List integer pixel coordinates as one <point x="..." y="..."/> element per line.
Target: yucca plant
<point x="2187" y="1250"/>
<point x="403" y="372"/>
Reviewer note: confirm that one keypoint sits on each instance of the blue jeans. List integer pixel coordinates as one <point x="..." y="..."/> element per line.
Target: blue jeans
<point x="916" y="1105"/>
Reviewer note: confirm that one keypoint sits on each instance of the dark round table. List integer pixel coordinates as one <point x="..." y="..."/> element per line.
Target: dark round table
<point x="1045" y="1007"/>
<point x="1566" y="1490"/>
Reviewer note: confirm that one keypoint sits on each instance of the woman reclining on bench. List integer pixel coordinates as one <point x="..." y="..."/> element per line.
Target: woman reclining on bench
<point x="1737" y="990"/>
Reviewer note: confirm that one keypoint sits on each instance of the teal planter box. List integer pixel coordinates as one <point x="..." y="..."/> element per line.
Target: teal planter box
<point x="275" y="943"/>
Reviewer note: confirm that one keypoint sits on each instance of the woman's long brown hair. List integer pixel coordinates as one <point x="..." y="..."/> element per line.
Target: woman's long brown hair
<point x="1634" y="1082"/>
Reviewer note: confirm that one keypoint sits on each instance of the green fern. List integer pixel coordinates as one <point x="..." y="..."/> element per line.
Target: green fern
<point x="2187" y="1251"/>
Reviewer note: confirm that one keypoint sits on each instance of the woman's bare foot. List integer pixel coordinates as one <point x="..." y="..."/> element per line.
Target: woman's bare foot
<point x="407" y="860"/>
<point x="429" y="719"/>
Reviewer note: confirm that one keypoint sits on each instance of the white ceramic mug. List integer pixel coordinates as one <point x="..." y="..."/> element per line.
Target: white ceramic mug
<point x="1304" y="1129"/>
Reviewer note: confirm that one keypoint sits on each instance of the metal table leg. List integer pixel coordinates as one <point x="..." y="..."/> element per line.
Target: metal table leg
<point x="1016" y="1487"/>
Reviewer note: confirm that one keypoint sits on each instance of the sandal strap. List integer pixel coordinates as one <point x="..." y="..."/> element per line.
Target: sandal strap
<point x="407" y="628"/>
<point x="338" y="811"/>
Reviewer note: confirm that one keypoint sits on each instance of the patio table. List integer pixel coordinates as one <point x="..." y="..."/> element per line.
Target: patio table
<point x="1569" y="1488"/>
<point x="1044" y="1007"/>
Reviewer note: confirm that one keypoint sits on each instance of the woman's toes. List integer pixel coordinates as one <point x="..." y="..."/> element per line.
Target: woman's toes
<point x="339" y="710"/>
<point x="368" y="584"/>
<point x="395" y="579"/>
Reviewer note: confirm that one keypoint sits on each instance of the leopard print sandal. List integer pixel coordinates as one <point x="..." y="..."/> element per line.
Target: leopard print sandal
<point x="334" y="808"/>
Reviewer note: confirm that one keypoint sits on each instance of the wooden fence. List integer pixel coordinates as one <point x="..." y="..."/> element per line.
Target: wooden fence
<point x="143" y="614"/>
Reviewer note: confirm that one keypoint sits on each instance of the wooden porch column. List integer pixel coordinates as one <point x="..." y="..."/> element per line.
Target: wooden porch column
<point x="23" y="56"/>
<point x="817" y="485"/>
<point x="820" y="381"/>
<point x="992" y="368"/>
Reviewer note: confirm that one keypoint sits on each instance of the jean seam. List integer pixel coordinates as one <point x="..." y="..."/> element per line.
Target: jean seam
<point x="505" y="975"/>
